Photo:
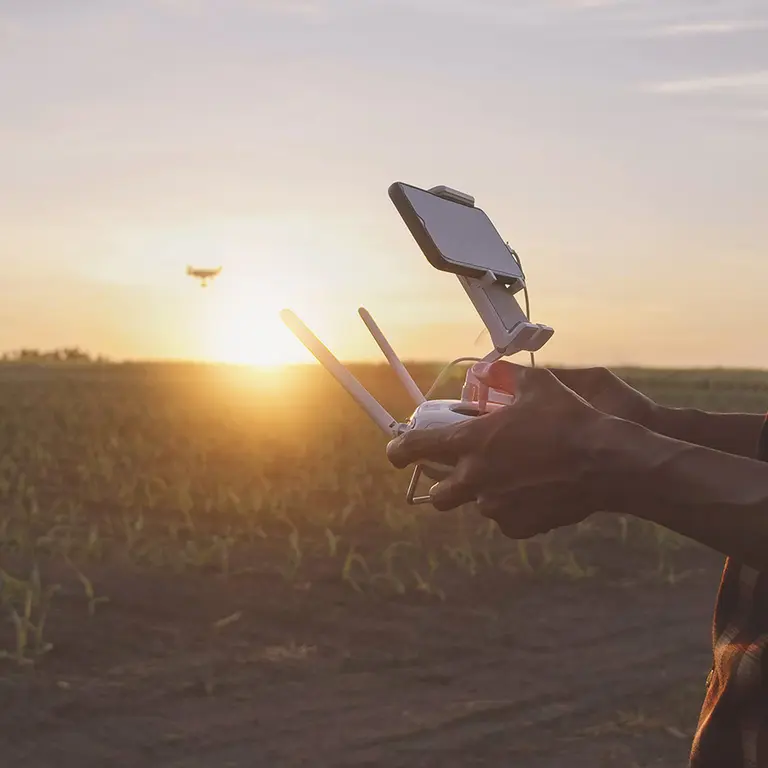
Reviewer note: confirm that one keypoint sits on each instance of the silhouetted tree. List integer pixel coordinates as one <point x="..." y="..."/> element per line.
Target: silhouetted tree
<point x="64" y="355"/>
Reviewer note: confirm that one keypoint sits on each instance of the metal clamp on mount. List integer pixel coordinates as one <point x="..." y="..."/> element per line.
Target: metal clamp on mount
<point x="511" y="330"/>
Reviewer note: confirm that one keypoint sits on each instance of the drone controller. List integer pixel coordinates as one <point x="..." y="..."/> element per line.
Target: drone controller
<point x="490" y="279"/>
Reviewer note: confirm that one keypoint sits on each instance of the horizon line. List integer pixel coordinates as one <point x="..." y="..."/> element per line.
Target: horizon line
<point x="106" y="362"/>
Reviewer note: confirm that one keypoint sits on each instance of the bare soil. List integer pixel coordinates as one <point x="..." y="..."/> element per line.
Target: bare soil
<point x="505" y="671"/>
<point x="191" y="669"/>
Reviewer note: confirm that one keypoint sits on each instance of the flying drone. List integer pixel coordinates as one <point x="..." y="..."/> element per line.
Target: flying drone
<point x="456" y="237"/>
<point x="203" y="275"/>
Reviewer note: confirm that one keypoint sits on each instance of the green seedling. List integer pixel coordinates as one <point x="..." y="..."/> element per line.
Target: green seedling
<point x="25" y="601"/>
<point x="346" y="572"/>
<point x="90" y="593"/>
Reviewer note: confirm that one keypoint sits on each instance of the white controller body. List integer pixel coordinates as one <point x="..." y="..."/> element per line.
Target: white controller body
<point x="444" y="413"/>
<point x="434" y="414"/>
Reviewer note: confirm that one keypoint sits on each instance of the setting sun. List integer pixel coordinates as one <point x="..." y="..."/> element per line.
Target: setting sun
<point x="243" y="325"/>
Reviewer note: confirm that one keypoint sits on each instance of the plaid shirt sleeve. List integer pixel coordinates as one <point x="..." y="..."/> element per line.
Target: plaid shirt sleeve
<point x="733" y="724"/>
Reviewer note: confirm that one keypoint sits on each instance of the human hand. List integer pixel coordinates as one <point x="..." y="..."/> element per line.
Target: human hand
<point x="531" y="466"/>
<point x="603" y="390"/>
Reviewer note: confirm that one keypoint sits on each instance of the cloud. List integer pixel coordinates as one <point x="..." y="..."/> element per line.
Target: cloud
<point x="181" y="6"/>
<point x="10" y="29"/>
<point x="528" y="13"/>
<point x="711" y="28"/>
<point x="305" y="9"/>
<point x="588" y="4"/>
<point x="309" y="10"/>
<point x="749" y="82"/>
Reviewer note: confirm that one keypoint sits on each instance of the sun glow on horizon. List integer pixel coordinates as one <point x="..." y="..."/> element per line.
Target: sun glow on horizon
<point x="243" y="326"/>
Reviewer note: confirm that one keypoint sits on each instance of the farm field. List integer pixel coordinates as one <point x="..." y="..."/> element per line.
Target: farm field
<point x="204" y="567"/>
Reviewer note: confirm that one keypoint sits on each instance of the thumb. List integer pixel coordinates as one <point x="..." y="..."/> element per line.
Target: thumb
<point x="586" y="382"/>
<point x="512" y="378"/>
<point x="501" y="375"/>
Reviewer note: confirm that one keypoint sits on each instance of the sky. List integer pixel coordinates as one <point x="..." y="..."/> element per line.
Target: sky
<point x="619" y="145"/>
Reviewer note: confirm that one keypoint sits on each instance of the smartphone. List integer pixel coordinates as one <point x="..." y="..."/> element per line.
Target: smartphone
<point x="455" y="237"/>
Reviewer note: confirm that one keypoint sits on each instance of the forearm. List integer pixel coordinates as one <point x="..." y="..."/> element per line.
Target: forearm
<point x="735" y="433"/>
<point x="716" y="498"/>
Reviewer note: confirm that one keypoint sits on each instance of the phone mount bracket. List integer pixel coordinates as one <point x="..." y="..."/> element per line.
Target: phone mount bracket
<point x="448" y="193"/>
<point x="509" y="327"/>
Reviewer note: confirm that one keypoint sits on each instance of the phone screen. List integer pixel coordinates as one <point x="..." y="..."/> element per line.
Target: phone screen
<point x="454" y="237"/>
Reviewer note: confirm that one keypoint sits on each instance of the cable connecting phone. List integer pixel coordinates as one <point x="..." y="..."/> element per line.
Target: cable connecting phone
<point x="493" y="297"/>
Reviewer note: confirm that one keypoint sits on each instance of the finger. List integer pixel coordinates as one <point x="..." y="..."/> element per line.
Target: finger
<point x="517" y="520"/>
<point x="532" y="510"/>
<point x="515" y="379"/>
<point x="443" y="445"/>
<point x="459" y="488"/>
<point x="435" y="472"/>
<point x="509" y="377"/>
<point x="583" y="381"/>
<point x="501" y="375"/>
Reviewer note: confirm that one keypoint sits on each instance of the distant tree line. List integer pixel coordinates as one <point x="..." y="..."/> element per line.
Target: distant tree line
<point x="63" y="355"/>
